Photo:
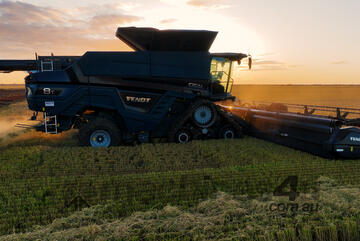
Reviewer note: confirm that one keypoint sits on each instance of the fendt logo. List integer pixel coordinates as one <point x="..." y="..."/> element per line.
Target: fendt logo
<point x="195" y="85"/>
<point x="137" y="99"/>
<point x="354" y="138"/>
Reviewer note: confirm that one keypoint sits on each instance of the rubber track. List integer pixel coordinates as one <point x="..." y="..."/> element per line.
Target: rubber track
<point x="178" y="124"/>
<point x="182" y="120"/>
<point x="231" y="120"/>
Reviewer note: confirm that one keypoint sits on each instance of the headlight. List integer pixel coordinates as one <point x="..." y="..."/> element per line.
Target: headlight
<point x="28" y="91"/>
<point x="47" y="91"/>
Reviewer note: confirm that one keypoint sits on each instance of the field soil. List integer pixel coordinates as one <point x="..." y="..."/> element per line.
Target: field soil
<point x="11" y="86"/>
<point x="11" y="94"/>
<point x="329" y="95"/>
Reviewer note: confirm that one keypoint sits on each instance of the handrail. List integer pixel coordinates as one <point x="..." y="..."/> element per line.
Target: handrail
<point x="229" y="78"/>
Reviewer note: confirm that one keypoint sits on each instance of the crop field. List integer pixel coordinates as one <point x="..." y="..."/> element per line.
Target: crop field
<point x="52" y="189"/>
<point x="328" y="95"/>
<point x="10" y="94"/>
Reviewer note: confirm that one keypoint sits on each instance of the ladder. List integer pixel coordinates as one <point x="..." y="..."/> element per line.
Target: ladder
<point x="51" y="124"/>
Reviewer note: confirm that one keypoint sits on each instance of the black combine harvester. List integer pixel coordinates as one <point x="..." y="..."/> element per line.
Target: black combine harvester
<point x="169" y="87"/>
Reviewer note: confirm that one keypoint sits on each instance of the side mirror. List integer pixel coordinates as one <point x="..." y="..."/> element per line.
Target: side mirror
<point x="250" y="62"/>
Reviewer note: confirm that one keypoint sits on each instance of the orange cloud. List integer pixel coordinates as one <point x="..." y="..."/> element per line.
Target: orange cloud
<point x="339" y="62"/>
<point x="266" y="65"/>
<point x="166" y="21"/>
<point x="13" y="13"/>
<point x="261" y="65"/>
<point x="104" y="21"/>
<point x="46" y="30"/>
<point x="214" y="4"/>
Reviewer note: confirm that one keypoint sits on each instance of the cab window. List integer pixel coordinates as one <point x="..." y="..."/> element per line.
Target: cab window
<point x="221" y="70"/>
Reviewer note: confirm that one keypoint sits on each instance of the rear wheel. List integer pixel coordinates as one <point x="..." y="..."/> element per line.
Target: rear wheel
<point x="183" y="136"/>
<point x="99" y="132"/>
<point x="100" y="138"/>
<point x="229" y="132"/>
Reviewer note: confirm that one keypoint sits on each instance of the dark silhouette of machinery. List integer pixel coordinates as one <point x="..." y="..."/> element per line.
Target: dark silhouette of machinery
<point x="170" y="86"/>
<point x="165" y="88"/>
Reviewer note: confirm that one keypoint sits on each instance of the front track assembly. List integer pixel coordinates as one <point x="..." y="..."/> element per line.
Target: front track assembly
<point x="204" y="120"/>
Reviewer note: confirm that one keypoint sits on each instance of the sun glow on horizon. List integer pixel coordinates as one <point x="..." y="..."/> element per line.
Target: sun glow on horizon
<point x="233" y="36"/>
<point x="291" y="42"/>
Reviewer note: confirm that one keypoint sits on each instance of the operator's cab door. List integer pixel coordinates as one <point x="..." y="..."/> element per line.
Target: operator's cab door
<point x="220" y="73"/>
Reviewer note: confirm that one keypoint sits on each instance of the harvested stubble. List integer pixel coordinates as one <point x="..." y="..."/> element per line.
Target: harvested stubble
<point x="41" y="183"/>
<point x="222" y="217"/>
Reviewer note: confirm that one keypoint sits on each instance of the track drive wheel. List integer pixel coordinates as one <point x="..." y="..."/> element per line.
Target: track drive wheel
<point x="183" y="136"/>
<point x="99" y="132"/>
<point x="204" y="114"/>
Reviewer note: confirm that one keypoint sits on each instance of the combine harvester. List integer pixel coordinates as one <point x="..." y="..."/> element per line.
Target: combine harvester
<point x="170" y="86"/>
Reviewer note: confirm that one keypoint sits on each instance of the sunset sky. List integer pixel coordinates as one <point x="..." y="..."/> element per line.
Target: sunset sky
<point x="292" y="42"/>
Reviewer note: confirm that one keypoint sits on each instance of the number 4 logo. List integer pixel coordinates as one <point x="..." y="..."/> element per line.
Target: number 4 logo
<point x="293" y="182"/>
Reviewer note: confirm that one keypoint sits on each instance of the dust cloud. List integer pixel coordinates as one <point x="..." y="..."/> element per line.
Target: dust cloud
<point x="12" y="115"/>
<point x="7" y="126"/>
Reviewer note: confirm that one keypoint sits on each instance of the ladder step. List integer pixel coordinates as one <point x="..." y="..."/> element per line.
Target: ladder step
<point x="50" y="123"/>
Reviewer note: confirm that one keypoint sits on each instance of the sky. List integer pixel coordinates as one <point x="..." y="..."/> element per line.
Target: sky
<point x="292" y="42"/>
